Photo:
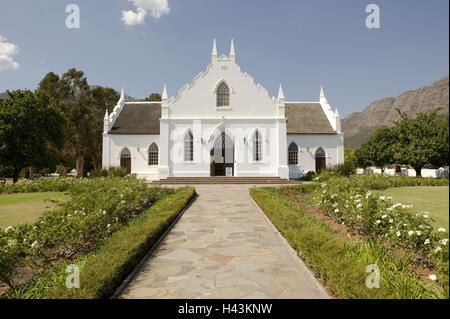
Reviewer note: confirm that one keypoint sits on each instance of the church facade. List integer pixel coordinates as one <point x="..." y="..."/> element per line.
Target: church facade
<point x="222" y="124"/>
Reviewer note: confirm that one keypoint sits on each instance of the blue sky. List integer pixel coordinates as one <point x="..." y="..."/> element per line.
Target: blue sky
<point x="301" y="44"/>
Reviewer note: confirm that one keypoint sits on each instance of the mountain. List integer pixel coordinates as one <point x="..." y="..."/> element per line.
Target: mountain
<point x="359" y="126"/>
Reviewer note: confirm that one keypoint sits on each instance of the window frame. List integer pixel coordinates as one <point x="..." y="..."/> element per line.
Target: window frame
<point x="188" y="148"/>
<point x="257" y="146"/>
<point x="151" y="155"/>
<point x="293" y="151"/>
<point x="223" y="97"/>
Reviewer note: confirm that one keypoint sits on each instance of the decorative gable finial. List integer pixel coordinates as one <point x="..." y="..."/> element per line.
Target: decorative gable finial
<point x="322" y="95"/>
<point x="232" y="53"/>
<point x="214" y="49"/>
<point x="336" y="113"/>
<point x="164" y="94"/>
<point x="280" y="93"/>
<point x="106" y="115"/>
<point x="122" y="94"/>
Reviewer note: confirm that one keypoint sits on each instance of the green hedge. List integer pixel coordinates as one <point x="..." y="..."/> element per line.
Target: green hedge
<point x="103" y="270"/>
<point x="338" y="263"/>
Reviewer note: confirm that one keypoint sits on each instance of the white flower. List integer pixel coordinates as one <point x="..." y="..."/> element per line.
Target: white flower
<point x="427" y="241"/>
<point x="441" y="230"/>
<point x="389" y="197"/>
<point x="418" y="233"/>
<point x="378" y="221"/>
<point x="359" y="206"/>
<point x="69" y="215"/>
<point x="384" y="216"/>
<point x="383" y="197"/>
<point x="398" y="233"/>
<point x="11" y="243"/>
<point x="438" y="249"/>
<point x="34" y="244"/>
<point x="104" y="212"/>
<point x="357" y="216"/>
<point x="123" y="201"/>
<point x="425" y="216"/>
<point x="336" y="210"/>
<point x="391" y="220"/>
<point x="9" y="228"/>
<point x="411" y="232"/>
<point x="444" y="241"/>
<point x="109" y="225"/>
<point x="432" y="277"/>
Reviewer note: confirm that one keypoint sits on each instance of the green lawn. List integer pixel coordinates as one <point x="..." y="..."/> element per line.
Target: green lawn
<point x="25" y="207"/>
<point x="433" y="199"/>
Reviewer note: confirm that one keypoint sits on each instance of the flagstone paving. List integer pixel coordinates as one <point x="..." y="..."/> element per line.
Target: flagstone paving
<point x="223" y="247"/>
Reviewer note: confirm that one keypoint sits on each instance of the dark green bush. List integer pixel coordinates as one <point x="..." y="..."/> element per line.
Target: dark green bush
<point x="345" y="169"/>
<point x="98" y="173"/>
<point x="117" y="172"/>
<point x="308" y="176"/>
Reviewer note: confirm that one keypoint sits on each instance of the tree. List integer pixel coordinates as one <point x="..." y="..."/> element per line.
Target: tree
<point x="412" y="141"/>
<point x="71" y="95"/>
<point x="154" y="97"/>
<point x="422" y="140"/>
<point x="31" y="130"/>
<point x="84" y="108"/>
<point x="378" y="150"/>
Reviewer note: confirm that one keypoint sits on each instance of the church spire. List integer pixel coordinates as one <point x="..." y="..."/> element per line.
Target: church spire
<point x="280" y="93"/>
<point x="232" y="53"/>
<point x="214" y="51"/>
<point x="164" y="94"/>
<point x="322" y="95"/>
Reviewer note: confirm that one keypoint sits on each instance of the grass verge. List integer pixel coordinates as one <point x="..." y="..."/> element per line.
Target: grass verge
<point x="104" y="269"/>
<point x="340" y="264"/>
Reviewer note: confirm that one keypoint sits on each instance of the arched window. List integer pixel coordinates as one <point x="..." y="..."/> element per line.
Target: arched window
<point x="125" y="153"/>
<point x="153" y="155"/>
<point x="293" y="154"/>
<point x="257" y="146"/>
<point x="320" y="160"/>
<point x="188" y="147"/>
<point x="223" y="95"/>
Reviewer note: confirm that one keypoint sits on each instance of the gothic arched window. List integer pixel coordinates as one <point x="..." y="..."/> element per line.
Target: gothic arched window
<point x="153" y="155"/>
<point x="188" y="147"/>
<point x="257" y="146"/>
<point x="293" y="154"/>
<point x="223" y="95"/>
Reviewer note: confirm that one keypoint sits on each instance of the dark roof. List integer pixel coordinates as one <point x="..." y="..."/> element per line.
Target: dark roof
<point x="138" y="118"/>
<point x="143" y="118"/>
<point x="307" y="118"/>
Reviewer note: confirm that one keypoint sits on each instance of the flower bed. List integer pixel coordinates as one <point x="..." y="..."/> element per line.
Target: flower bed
<point x="98" y="208"/>
<point x="349" y="201"/>
<point x="39" y="185"/>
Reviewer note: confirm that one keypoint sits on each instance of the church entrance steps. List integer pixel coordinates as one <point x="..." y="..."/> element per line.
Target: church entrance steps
<point x="226" y="180"/>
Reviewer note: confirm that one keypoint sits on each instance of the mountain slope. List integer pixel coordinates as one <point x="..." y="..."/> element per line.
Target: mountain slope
<point x="359" y="126"/>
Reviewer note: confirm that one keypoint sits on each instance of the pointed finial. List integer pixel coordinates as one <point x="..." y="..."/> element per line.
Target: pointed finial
<point x="280" y="93"/>
<point x="106" y="115"/>
<point x="214" y="50"/>
<point x="122" y="94"/>
<point x="232" y="53"/>
<point x="322" y="94"/>
<point x="164" y="94"/>
<point x="336" y="113"/>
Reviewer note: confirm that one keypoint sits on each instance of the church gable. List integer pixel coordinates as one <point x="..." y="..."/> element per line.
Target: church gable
<point x="244" y="99"/>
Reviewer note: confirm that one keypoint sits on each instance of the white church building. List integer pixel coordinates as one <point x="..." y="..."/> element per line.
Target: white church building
<point x="222" y="124"/>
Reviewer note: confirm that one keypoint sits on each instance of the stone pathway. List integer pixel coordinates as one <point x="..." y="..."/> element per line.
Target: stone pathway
<point x="223" y="247"/>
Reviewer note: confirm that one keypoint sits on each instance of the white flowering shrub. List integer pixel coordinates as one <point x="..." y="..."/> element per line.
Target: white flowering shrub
<point x="39" y="185"/>
<point x="97" y="209"/>
<point x="353" y="204"/>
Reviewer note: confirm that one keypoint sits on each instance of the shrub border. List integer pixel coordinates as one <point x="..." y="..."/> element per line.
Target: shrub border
<point x="152" y="250"/>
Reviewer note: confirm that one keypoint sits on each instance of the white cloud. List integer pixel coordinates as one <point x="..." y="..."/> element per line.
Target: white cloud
<point x="156" y="8"/>
<point x="7" y="51"/>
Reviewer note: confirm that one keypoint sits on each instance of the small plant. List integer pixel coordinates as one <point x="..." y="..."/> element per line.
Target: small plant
<point x="117" y="172"/>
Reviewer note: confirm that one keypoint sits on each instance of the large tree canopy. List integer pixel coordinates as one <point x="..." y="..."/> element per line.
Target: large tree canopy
<point x="412" y="141"/>
<point x="31" y="130"/>
<point x="83" y="109"/>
